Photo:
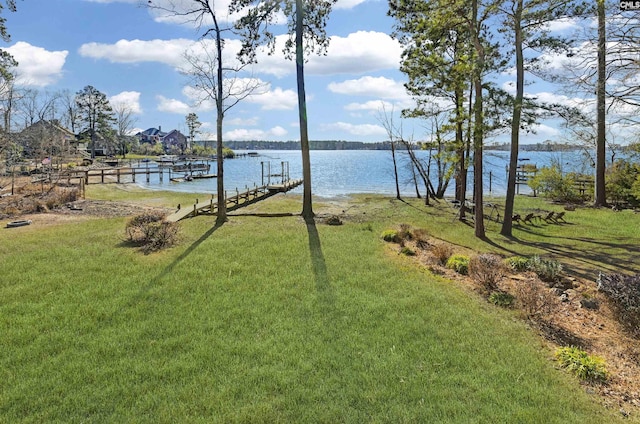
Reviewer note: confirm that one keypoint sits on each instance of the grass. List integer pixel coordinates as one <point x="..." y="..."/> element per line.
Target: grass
<point x="263" y="320"/>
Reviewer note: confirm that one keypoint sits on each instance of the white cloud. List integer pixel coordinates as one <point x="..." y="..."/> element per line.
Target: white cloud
<point x="354" y="129"/>
<point x="169" y="52"/>
<point x="275" y="99"/>
<point x="348" y="4"/>
<point x="37" y="66"/>
<point x="255" y="134"/>
<point x="545" y="131"/>
<point x="181" y="12"/>
<point x="564" y="24"/>
<point x="370" y="86"/>
<point x="130" y="99"/>
<point x="359" y="52"/>
<point x="112" y="1"/>
<point x="242" y="122"/>
<point x="173" y="106"/>
<point x="370" y="106"/>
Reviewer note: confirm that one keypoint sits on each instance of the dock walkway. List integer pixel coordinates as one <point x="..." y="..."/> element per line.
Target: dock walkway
<point x="237" y="201"/>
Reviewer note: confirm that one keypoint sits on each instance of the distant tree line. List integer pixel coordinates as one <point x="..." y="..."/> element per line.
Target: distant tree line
<point x="314" y="145"/>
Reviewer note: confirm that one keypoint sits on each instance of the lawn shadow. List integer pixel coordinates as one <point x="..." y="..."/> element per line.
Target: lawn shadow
<point x="326" y="294"/>
<point x="169" y="268"/>
<point x="594" y="258"/>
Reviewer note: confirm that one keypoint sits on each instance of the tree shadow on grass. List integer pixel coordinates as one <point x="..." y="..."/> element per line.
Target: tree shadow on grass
<point x="169" y="268"/>
<point x="326" y="294"/>
<point x="596" y="255"/>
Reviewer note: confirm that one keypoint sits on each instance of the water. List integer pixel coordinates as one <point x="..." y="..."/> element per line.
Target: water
<point x="336" y="173"/>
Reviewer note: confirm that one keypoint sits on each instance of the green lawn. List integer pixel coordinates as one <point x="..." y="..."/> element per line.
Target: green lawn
<point x="266" y="319"/>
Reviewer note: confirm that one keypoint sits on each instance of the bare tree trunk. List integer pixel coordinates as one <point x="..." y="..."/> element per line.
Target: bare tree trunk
<point x="395" y="169"/>
<point x="478" y="127"/>
<point x="507" y="224"/>
<point x="415" y="181"/>
<point x="222" y="201"/>
<point x="600" y="188"/>
<point x="307" y="205"/>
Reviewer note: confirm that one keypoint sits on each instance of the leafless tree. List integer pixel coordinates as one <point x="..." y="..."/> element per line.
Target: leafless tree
<point x="69" y="113"/>
<point x="9" y="96"/>
<point x="386" y="119"/>
<point x="207" y="71"/>
<point x="125" y="120"/>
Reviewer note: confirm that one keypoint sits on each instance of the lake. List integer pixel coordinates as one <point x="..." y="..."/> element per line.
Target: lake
<point x="336" y="173"/>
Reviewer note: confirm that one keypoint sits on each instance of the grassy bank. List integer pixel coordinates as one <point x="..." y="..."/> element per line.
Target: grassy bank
<point x="265" y="319"/>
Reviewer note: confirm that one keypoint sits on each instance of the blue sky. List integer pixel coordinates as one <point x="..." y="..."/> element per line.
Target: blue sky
<point x="134" y="56"/>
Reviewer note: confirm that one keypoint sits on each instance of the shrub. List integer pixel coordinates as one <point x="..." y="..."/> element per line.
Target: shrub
<point x="333" y="220"/>
<point x="487" y="270"/>
<point x="442" y="252"/>
<point x="390" y="236"/>
<point x="405" y="232"/>
<point x="421" y="237"/>
<point x="407" y="251"/>
<point x="503" y="299"/>
<point x="547" y="270"/>
<point x="151" y="232"/>
<point x="621" y="179"/>
<point x="585" y="366"/>
<point x="459" y="263"/>
<point x="518" y="263"/>
<point x="534" y="299"/>
<point x="624" y="293"/>
<point x="550" y="182"/>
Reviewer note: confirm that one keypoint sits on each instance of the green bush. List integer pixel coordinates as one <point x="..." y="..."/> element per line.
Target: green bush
<point x="390" y="236"/>
<point x="502" y="299"/>
<point x="585" y="366"/>
<point x="459" y="263"/>
<point x="623" y="183"/>
<point x="518" y="263"/>
<point x="551" y="183"/>
<point x="548" y="270"/>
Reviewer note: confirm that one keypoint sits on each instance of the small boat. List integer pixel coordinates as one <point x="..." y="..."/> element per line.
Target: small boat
<point x="201" y="175"/>
<point x="182" y="179"/>
<point x="19" y="223"/>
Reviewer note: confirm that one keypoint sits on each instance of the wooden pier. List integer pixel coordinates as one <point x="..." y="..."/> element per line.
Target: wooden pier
<point x="239" y="200"/>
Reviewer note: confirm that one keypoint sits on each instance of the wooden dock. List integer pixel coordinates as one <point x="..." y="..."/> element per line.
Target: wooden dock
<point x="237" y="201"/>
